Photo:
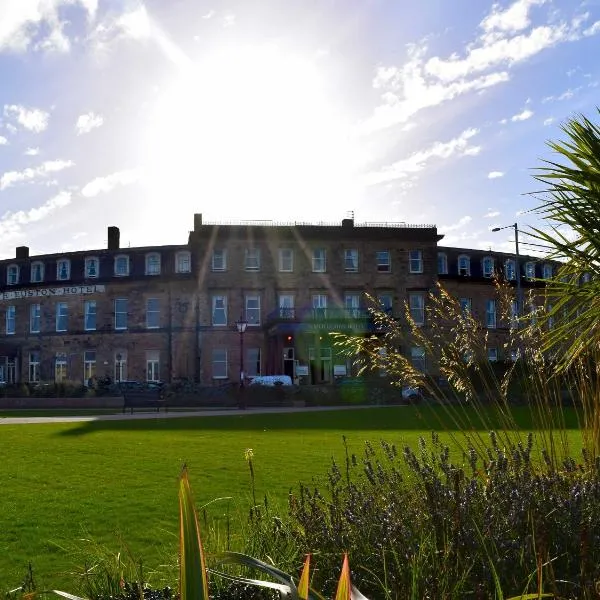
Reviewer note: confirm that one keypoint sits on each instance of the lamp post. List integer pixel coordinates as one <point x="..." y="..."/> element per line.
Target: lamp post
<point x="517" y="267"/>
<point x="241" y="325"/>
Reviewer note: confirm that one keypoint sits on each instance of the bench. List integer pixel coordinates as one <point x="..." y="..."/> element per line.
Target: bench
<point x="142" y="399"/>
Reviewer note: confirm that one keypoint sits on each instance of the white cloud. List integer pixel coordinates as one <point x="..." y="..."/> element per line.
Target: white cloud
<point x="229" y="19"/>
<point x="417" y="162"/>
<point x="491" y="213"/>
<point x="11" y="178"/>
<point x="458" y="225"/>
<point x="507" y="38"/>
<point x="593" y="29"/>
<point x="209" y="15"/>
<point x="32" y="152"/>
<point x="522" y="116"/>
<point x="37" y="24"/>
<point x="33" y="119"/>
<point x="495" y="174"/>
<point x="12" y="222"/>
<point x="87" y="122"/>
<point x="3" y="141"/>
<point x="548" y="121"/>
<point x="103" y="185"/>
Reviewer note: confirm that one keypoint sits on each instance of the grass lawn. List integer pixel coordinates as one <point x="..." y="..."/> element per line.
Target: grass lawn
<point x="111" y="479"/>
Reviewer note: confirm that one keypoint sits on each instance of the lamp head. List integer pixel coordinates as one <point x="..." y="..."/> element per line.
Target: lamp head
<point x="496" y="229"/>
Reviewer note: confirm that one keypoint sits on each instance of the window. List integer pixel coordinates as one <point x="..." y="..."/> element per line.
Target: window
<point x="62" y="316"/>
<point x="492" y="354"/>
<point x="89" y="366"/>
<point x="60" y="367"/>
<point x="415" y="261"/>
<point x="35" y="317"/>
<point x="319" y="302"/>
<point x="514" y="314"/>
<point x="219" y="310"/>
<point x="253" y="362"/>
<point x="351" y="261"/>
<point x="37" y="272"/>
<point x="547" y="271"/>
<point x="384" y="264"/>
<point x="219" y="260"/>
<point x="550" y="317"/>
<point x="286" y="260"/>
<point x="11" y="371"/>
<point x="10" y="320"/>
<point x="253" y="309"/>
<point x="89" y="315"/>
<point x="465" y="306"/>
<point x="286" y="306"/>
<point x="416" y="303"/>
<point x="252" y="259"/>
<point x="183" y="262"/>
<point x="464" y="265"/>
<point x="152" y="365"/>
<point x="121" y="313"/>
<point x="385" y="301"/>
<point x="219" y="363"/>
<point x="153" y="263"/>
<point x="121" y="365"/>
<point x="91" y="267"/>
<point x="63" y="269"/>
<point x="442" y="263"/>
<point x="417" y="358"/>
<point x="12" y="274"/>
<point x="488" y="267"/>
<point x="586" y="278"/>
<point x="34" y="367"/>
<point x="509" y="269"/>
<point x="490" y="314"/>
<point x="319" y="260"/>
<point x="121" y="265"/>
<point x="352" y="304"/>
<point x="530" y="270"/>
<point x="152" y="313"/>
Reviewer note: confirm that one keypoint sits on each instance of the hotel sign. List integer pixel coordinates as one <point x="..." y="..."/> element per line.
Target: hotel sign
<point x="74" y="290"/>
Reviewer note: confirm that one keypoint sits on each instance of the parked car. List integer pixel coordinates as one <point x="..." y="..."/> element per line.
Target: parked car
<point x="271" y="380"/>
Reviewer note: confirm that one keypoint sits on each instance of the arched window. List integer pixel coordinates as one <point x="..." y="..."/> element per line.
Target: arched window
<point x="530" y="270"/>
<point x="92" y="267"/>
<point x="464" y="265"/>
<point x="488" y="266"/>
<point x="37" y="271"/>
<point x="442" y="263"/>
<point x="509" y="269"/>
<point x="12" y="274"/>
<point x="121" y="265"/>
<point x="153" y="263"/>
<point x="547" y="271"/>
<point x="63" y="269"/>
<point x="183" y="262"/>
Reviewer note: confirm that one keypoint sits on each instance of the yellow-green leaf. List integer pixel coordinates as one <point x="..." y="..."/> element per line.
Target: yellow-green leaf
<point x="304" y="578"/>
<point x="344" y="584"/>
<point x="193" y="576"/>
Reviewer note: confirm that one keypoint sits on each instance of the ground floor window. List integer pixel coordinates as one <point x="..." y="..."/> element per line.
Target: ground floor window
<point x="320" y="364"/>
<point x="417" y="358"/>
<point x="89" y="366"/>
<point x="152" y="365"/>
<point x="219" y="363"/>
<point x="34" y="367"/>
<point x="121" y="365"/>
<point x="252" y="362"/>
<point x="60" y="367"/>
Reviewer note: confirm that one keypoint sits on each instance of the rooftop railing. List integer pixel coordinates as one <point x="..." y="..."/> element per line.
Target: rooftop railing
<point x="270" y="223"/>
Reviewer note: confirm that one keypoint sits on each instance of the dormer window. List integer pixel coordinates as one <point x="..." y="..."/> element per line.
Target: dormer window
<point x="547" y="271"/>
<point x="12" y="274"/>
<point x="37" y="272"/>
<point x="509" y="270"/>
<point x="464" y="265"/>
<point x="183" y="262"/>
<point x="442" y="263"/>
<point x="488" y="267"/>
<point x="530" y="270"/>
<point x="153" y="263"/>
<point x="91" y="267"/>
<point x="121" y="265"/>
<point x="63" y="269"/>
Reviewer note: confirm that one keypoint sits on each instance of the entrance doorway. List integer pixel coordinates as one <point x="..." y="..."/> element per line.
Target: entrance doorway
<point x="289" y="362"/>
<point x="320" y="365"/>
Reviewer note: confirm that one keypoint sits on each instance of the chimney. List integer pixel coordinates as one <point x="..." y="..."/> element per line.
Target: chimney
<point x="114" y="238"/>
<point x="22" y="252"/>
<point x="197" y="221"/>
<point x="347" y="222"/>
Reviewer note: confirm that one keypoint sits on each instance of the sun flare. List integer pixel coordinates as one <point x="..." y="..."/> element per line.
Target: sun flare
<point x="250" y="133"/>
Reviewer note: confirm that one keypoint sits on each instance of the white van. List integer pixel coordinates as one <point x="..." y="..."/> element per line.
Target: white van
<point x="271" y="380"/>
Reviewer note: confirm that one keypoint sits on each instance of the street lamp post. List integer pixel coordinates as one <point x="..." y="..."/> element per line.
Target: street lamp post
<point x="517" y="267"/>
<point x="241" y="325"/>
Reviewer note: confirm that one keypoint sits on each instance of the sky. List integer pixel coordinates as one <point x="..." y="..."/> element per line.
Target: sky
<point x="140" y="114"/>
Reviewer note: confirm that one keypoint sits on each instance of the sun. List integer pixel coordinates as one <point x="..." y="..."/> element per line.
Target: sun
<point x="251" y="133"/>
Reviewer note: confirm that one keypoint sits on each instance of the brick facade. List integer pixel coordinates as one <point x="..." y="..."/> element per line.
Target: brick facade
<point x="292" y="283"/>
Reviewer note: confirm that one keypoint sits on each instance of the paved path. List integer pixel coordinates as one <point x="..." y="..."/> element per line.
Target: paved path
<point x="172" y="415"/>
